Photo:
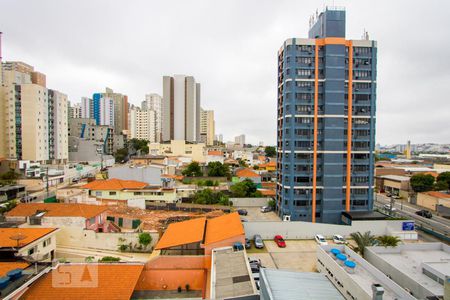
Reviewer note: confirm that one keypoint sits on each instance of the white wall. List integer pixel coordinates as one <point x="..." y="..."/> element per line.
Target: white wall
<point x="254" y="202"/>
<point x="179" y="107"/>
<point x="79" y="238"/>
<point x="307" y="230"/>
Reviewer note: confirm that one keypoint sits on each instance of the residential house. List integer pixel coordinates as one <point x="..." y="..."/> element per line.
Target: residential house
<point x="85" y="216"/>
<point x="150" y="174"/>
<point x="36" y="243"/>
<point x="117" y="191"/>
<point x="243" y="174"/>
<point x="215" y="156"/>
<point x="183" y="254"/>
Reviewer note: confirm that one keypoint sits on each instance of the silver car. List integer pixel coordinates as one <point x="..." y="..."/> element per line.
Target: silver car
<point x="257" y="240"/>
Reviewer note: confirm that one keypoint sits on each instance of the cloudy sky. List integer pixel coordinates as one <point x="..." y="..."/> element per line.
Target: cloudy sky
<point x="230" y="46"/>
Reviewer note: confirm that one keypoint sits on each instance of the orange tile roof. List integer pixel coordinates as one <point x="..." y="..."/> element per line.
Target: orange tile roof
<point x="246" y="173"/>
<point x="57" y="210"/>
<point x="176" y="177"/>
<point x="269" y="184"/>
<point x="90" y="281"/>
<point x="181" y="233"/>
<point x="223" y="227"/>
<point x="5" y="267"/>
<point x="215" y="153"/>
<point x="438" y="194"/>
<point x="432" y="173"/>
<point x="267" y="192"/>
<point x="114" y="184"/>
<point x="261" y="158"/>
<point x="8" y="236"/>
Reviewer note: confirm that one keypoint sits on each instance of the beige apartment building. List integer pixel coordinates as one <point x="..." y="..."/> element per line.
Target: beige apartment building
<point x="143" y="124"/>
<point x="35" y="117"/>
<point x="207" y="127"/>
<point x="120" y="110"/>
<point x="197" y="152"/>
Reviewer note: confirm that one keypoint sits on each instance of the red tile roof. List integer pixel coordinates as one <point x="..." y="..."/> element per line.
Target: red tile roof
<point x="86" y="282"/>
<point x="19" y="237"/>
<point x="267" y="192"/>
<point x="181" y="233"/>
<point x="246" y="173"/>
<point x="114" y="184"/>
<point x="57" y="210"/>
<point x="438" y="194"/>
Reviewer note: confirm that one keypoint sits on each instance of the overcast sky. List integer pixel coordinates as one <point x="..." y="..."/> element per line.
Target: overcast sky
<point x="230" y="47"/>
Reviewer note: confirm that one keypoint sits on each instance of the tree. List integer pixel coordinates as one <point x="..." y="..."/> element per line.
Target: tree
<point x="108" y="259"/>
<point x="440" y="186"/>
<point x="207" y="196"/>
<point x="245" y="188"/>
<point x="139" y="145"/>
<point x="270" y="151"/>
<point x="217" y="169"/>
<point x="242" y="163"/>
<point x="388" y="241"/>
<point x="145" y="239"/>
<point x="362" y="241"/>
<point x="8" y="206"/>
<point x="121" y="155"/>
<point x="422" y="182"/>
<point x="193" y="170"/>
<point x="271" y="203"/>
<point x="445" y="177"/>
<point x="9" y="177"/>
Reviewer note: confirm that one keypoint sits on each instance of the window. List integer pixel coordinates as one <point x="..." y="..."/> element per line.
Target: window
<point x="304" y="72"/>
<point x="47" y="242"/>
<point x="98" y="194"/>
<point x="112" y="193"/>
<point x="304" y="60"/>
<point x="32" y="250"/>
<point x="303" y="96"/>
<point x="137" y="193"/>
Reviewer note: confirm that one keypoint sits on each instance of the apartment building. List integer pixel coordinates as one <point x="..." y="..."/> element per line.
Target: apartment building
<point x="87" y="108"/>
<point x="143" y="124"/>
<point x="207" y="127"/>
<point x="240" y="140"/>
<point x="326" y="122"/>
<point x="35" y="117"/>
<point x="74" y="110"/>
<point x="181" y="108"/>
<point x="111" y="108"/>
<point x="154" y="102"/>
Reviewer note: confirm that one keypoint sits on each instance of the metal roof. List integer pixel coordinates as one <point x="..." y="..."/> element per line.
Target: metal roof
<point x="286" y="285"/>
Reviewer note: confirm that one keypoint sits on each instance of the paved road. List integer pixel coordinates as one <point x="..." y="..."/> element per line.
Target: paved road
<point x="408" y="210"/>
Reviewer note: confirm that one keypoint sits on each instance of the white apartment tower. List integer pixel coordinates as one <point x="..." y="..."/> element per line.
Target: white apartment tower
<point x="181" y="109"/>
<point x="240" y="140"/>
<point x="154" y="102"/>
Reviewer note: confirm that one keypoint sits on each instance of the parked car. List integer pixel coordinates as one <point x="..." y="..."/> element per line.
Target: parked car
<point x="388" y="194"/>
<point x="243" y="220"/>
<point x="257" y="285"/>
<point x="238" y="246"/>
<point x="338" y="239"/>
<point x="248" y="244"/>
<point x="257" y="240"/>
<point x="254" y="268"/>
<point x="424" y="213"/>
<point x="265" y="209"/>
<point x="388" y="207"/>
<point x="278" y="239"/>
<point x="396" y="197"/>
<point x="242" y="212"/>
<point x="252" y="260"/>
<point x="320" y="239"/>
<point x="255" y="276"/>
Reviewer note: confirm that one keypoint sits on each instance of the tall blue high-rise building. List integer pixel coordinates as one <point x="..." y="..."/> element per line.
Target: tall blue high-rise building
<point x="326" y="122"/>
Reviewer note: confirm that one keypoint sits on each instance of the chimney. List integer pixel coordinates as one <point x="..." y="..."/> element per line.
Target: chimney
<point x="377" y="291"/>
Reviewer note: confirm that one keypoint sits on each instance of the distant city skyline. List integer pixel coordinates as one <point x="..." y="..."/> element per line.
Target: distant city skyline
<point x="235" y="61"/>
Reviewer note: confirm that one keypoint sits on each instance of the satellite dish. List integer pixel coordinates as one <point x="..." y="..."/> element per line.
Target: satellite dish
<point x="18" y="237"/>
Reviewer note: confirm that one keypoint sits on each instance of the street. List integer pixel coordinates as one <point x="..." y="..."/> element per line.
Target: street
<point x="405" y="209"/>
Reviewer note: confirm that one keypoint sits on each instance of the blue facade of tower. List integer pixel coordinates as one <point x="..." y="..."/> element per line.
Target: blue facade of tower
<point x="313" y="87"/>
<point x="96" y="101"/>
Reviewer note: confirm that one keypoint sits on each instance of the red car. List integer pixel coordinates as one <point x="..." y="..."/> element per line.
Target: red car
<point x="278" y="239"/>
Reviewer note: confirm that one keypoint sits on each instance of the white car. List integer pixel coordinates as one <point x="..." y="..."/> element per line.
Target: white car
<point x="388" y="207"/>
<point x="338" y="239"/>
<point x="320" y="239"/>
